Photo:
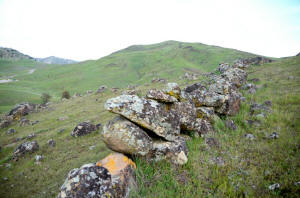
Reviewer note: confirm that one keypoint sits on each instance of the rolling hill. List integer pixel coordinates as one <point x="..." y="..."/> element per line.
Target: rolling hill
<point x="134" y="65"/>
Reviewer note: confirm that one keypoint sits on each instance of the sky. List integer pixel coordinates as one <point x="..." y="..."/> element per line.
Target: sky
<point x="91" y="29"/>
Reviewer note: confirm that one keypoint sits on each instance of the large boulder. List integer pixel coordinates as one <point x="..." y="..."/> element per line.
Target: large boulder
<point x="124" y="136"/>
<point x="84" y="128"/>
<point x="147" y="113"/>
<point x="175" y="151"/>
<point x="21" y="110"/>
<point x="26" y="147"/>
<point x="160" y="96"/>
<point x="111" y="177"/>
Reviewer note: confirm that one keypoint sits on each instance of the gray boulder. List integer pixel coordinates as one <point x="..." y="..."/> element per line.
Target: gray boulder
<point x="26" y="147"/>
<point x="124" y="136"/>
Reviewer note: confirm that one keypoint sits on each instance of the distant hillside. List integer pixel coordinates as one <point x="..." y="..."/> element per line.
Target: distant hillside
<point x="55" y="60"/>
<point x="12" y="54"/>
<point x="135" y="65"/>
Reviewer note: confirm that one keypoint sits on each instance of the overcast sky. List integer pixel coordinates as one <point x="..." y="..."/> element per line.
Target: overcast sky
<point x="87" y="29"/>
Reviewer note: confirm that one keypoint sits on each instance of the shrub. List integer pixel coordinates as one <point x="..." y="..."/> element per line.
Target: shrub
<point x="65" y="94"/>
<point x="45" y="98"/>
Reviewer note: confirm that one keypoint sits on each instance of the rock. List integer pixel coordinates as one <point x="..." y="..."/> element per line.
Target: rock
<point x="158" y="80"/>
<point x="122" y="170"/>
<point x="6" y="121"/>
<point x="51" y="143"/>
<point x="256" y="123"/>
<point x="101" y="89"/>
<point x="274" y="135"/>
<point x="113" y="176"/>
<point x="223" y="67"/>
<point x="21" y="110"/>
<point x="173" y="89"/>
<point x="84" y="128"/>
<point x="291" y="77"/>
<point x="243" y="99"/>
<point x="218" y="161"/>
<point x="30" y="136"/>
<point x="26" y="147"/>
<point x="92" y="147"/>
<point x="212" y="142"/>
<point x="206" y="113"/>
<point x="38" y="158"/>
<point x="230" y="125"/>
<point x="5" y="179"/>
<point x="89" y="180"/>
<point x="24" y="122"/>
<point x="19" y="139"/>
<point x="249" y="136"/>
<point x="61" y="130"/>
<point x="129" y="92"/>
<point x="194" y="87"/>
<point x="147" y="113"/>
<point x="175" y="151"/>
<point x="268" y="103"/>
<point x="274" y="186"/>
<point x="232" y="104"/>
<point x="76" y="95"/>
<point x="235" y="76"/>
<point x="124" y="136"/>
<point x="259" y="108"/>
<point x="63" y="118"/>
<point x="252" y="91"/>
<point x="160" y="96"/>
<point x="89" y="92"/>
<point x="35" y="122"/>
<point x="114" y="89"/>
<point x="8" y="166"/>
<point x="260" y="116"/>
<point x="11" y="131"/>
<point x="189" y="76"/>
<point x="297" y="183"/>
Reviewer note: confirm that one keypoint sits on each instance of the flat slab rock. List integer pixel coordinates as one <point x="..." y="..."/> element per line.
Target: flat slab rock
<point x="113" y="176"/>
<point x="147" y="113"/>
<point x="160" y="96"/>
<point x="124" y="136"/>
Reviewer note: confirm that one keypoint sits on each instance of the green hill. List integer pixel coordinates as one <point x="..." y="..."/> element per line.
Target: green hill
<point x="246" y="168"/>
<point x="134" y="65"/>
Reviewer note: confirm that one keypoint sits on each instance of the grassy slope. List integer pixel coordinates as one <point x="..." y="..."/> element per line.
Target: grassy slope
<point x="133" y="65"/>
<point x="249" y="166"/>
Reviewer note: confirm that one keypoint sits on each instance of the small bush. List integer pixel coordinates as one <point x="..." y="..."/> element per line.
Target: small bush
<point x="45" y="98"/>
<point x="66" y="95"/>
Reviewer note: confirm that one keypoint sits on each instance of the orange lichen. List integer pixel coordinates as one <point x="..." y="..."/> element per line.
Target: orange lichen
<point x="115" y="163"/>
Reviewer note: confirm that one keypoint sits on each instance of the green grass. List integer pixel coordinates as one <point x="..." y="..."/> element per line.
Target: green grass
<point x="249" y="166"/>
<point x="133" y="65"/>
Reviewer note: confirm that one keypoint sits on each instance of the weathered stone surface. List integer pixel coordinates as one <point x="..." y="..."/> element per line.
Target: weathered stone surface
<point x="207" y="113"/>
<point x="124" y="136"/>
<point x="21" y="110"/>
<point x="173" y="89"/>
<point x="51" y="143"/>
<point x="26" y="147"/>
<point x="147" y="113"/>
<point x="89" y="180"/>
<point x="122" y="170"/>
<point x="129" y="92"/>
<point x="231" y="105"/>
<point x="160" y="96"/>
<point x="223" y="67"/>
<point x="24" y="122"/>
<point x="230" y="125"/>
<point x="221" y="86"/>
<point x="30" y="136"/>
<point x="235" y="76"/>
<point x="11" y="131"/>
<point x="101" y="89"/>
<point x="175" y="151"/>
<point x="158" y="80"/>
<point x="84" y="128"/>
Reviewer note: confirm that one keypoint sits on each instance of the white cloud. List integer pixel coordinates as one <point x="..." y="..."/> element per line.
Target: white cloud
<point x="91" y="29"/>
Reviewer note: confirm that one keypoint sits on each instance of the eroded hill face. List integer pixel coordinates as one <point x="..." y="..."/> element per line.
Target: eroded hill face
<point x="12" y="54"/>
